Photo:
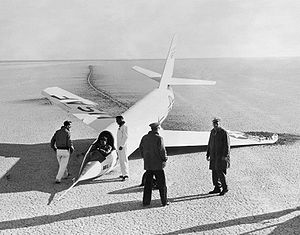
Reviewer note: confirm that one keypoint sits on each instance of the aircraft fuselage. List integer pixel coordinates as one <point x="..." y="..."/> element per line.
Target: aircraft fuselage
<point x="154" y="107"/>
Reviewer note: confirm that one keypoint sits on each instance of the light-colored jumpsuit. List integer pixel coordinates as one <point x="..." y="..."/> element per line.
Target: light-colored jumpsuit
<point x="122" y="136"/>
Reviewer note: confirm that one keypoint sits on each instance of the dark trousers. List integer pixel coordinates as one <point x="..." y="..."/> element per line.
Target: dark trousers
<point x="161" y="184"/>
<point x="219" y="179"/>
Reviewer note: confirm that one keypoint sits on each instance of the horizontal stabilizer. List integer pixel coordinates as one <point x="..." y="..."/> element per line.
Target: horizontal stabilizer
<point x="188" y="81"/>
<point x="173" y="81"/>
<point x="196" y="138"/>
<point x="151" y="74"/>
<point x="81" y="108"/>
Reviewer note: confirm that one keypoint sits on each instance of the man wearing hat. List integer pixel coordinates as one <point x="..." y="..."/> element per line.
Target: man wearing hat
<point x="62" y="144"/>
<point x="155" y="157"/>
<point x="218" y="155"/>
<point x="122" y="136"/>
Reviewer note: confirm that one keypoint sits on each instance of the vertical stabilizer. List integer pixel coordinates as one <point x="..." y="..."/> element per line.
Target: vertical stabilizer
<point x="167" y="78"/>
<point x="169" y="65"/>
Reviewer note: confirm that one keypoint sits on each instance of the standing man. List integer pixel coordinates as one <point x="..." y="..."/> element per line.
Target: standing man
<point x="218" y="155"/>
<point x="122" y="136"/>
<point x="61" y="143"/>
<point x="153" y="152"/>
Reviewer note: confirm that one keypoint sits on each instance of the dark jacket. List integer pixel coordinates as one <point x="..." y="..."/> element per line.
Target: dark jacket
<point x="153" y="151"/>
<point x="218" y="149"/>
<point x="62" y="139"/>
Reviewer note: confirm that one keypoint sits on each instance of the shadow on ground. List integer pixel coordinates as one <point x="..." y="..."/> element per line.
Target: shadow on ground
<point x="36" y="167"/>
<point x="291" y="226"/>
<point x="138" y="188"/>
<point x="77" y="213"/>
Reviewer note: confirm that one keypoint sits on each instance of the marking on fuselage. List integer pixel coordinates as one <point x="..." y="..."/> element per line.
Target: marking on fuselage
<point x="105" y="166"/>
<point x="86" y="109"/>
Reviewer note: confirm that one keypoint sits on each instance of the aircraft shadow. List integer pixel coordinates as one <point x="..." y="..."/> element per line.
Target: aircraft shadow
<point x="292" y="225"/>
<point x="36" y="167"/>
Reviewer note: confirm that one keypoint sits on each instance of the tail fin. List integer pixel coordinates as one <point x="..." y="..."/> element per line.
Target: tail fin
<point x="169" y="65"/>
<point x="167" y="78"/>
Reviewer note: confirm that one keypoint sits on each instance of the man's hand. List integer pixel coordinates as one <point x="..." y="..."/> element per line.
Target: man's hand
<point x="207" y="158"/>
<point x="164" y="164"/>
<point x="120" y="148"/>
<point x="71" y="149"/>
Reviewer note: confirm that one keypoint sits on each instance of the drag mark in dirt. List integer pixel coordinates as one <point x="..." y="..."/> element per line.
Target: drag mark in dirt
<point x="90" y="75"/>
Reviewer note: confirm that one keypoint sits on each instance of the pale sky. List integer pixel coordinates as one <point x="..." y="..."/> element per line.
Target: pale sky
<point x="134" y="29"/>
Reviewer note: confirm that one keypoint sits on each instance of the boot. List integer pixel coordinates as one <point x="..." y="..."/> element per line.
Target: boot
<point x="225" y="190"/>
<point x="216" y="190"/>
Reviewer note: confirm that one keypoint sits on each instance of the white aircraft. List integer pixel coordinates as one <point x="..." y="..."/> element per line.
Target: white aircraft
<point x="154" y="107"/>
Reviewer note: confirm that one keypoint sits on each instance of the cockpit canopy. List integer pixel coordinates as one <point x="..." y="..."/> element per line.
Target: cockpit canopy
<point x="110" y="138"/>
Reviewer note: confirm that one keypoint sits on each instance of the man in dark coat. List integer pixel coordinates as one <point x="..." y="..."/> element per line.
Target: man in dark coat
<point x="155" y="157"/>
<point x="218" y="155"/>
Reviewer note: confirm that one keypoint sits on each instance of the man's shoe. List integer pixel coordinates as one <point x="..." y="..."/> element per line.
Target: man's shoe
<point x="216" y="190"/>
<point x="121" y="176"/>
<point x="124" y="178"/>
<point x="146" y="204"/>
<point x="167" y="204"/>
<point x="223" y="192"/>
<point x="57" y="181"/>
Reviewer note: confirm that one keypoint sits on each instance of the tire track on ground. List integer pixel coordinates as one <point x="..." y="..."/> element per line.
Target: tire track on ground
<point x="103" y="93"/>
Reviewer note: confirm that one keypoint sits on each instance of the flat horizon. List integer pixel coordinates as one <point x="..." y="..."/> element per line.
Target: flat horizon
<point x="124" y="59"/>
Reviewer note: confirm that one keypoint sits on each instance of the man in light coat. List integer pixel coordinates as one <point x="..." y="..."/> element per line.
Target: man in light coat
<point x="218" y="155"/>
<point x="122" y="136"/>
<point x="62" y="144"/>
<point x="155" y="157"/>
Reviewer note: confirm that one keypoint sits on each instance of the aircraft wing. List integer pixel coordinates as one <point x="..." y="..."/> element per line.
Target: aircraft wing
<point x="81" y="108"/>
<point x="196" y="138"/>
